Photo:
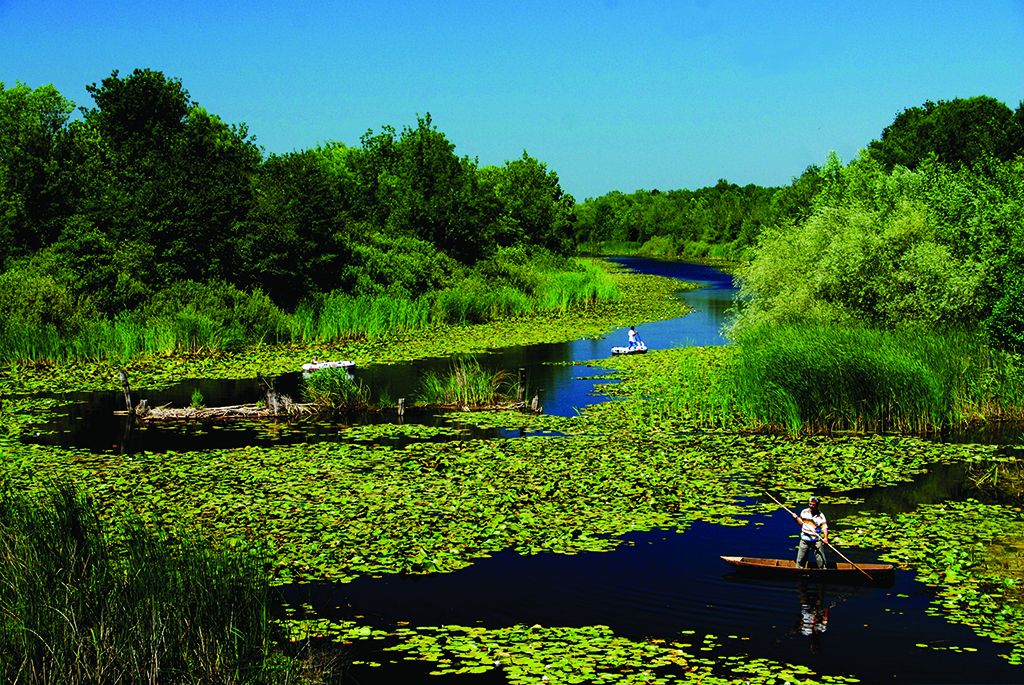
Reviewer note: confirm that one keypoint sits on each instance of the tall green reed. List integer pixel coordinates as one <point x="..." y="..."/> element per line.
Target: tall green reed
<point x="82" y="602"/>
<point x="341" y="316"/>
<point x="335" y="389"/>
<point x="822" y="378"/>
<point x="563" y="290"/>
<point x="466" y="384"/>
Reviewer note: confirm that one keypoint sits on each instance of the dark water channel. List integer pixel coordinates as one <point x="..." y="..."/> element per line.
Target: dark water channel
<point x="657" y="584"/>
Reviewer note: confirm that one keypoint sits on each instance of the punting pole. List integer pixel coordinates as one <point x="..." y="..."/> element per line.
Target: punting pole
<point x="827" y="543"/>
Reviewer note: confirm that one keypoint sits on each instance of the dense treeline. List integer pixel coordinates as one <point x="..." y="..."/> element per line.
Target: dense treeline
<point x="722" y="221"/>
<point x="147" y="207"/>
<point x="725" y="220"/>
<point x="146" y="203"/>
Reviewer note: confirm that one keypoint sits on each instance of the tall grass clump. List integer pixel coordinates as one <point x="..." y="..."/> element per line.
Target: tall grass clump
<point x="611" y="247"/>
<point x="466" y="384"/>
<point x="477" y="301"/>
<point x="186" y="317"/>
<point x="699" y="391"/>
<point x="561" y="290"/>
<point x="336" y="389"/>
<point x="82" y="603"/>
<point x="341" y="316"/>
<point x="820" y="378"/>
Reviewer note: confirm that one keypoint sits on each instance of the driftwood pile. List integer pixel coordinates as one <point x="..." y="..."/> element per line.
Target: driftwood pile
<point x="274" y="404"/>
<point x="238" y="411"/>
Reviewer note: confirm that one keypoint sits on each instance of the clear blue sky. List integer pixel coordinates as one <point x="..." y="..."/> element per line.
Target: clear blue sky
<point x="610" y="94"/>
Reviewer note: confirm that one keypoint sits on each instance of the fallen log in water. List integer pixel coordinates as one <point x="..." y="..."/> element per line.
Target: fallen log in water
<point x="238" y="411"/>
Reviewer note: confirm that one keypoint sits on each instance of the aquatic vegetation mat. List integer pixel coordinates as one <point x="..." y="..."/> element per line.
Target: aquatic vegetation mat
<point x="954" y="547"/>
<point x="588" y="654"/>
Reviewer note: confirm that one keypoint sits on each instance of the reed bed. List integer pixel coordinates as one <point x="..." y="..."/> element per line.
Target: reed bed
<point x="564" y="290"/>
<point x="123" y="338"/>
<point x="823" y="378"/>
<point x="466" y="384"/>
<point x="335" y="389"/>
<point x="813" y="379"/>
<point x="83" y="604"/>
<point x="344" y="316"/>
<point x="161" y="330"/>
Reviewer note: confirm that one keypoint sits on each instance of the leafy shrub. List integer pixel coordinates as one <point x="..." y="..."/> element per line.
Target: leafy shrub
<point x="1005" y="326"/>
<point x="33" y="299"/>
<point x="216" y="314"/>
<point x="659" y="246"/>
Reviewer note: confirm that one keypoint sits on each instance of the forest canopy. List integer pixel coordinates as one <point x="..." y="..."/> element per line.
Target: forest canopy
<point x="147" y="188"/>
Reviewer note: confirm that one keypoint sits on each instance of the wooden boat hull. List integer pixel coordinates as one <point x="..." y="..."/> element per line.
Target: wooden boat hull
<point x="840" y="572"/>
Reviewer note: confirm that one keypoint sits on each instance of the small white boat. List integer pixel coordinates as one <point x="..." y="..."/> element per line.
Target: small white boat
<point x="317" y="365"/>
<point x="639" y="348"/>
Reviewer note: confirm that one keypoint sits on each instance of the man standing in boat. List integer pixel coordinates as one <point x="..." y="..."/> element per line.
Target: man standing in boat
<point x="813" y="534"/>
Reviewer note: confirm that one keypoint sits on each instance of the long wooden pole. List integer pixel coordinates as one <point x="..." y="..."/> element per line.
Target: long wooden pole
<point x="827" y="543"/>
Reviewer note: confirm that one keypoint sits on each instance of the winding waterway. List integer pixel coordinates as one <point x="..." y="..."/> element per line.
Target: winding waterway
<point x="660" y="583"/>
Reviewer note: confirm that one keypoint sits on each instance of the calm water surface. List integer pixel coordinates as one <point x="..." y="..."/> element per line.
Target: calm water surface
<point x="657" y="584"/>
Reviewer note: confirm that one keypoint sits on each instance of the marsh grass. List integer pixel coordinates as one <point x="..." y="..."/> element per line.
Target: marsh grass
<point x="120" y="339"/>
<point x="342" y="316"/>
<point x="818" y="379"/>
<point x="611" y="247"/>
<point x="563" y="290"/>
<point x="466" y="384"/>
<point x="226" y="321"/>
<point x="335" y="389"/>
<point x="473" y="300"/>
<point x="84" y="604"/>
<point x="826" y="378"/>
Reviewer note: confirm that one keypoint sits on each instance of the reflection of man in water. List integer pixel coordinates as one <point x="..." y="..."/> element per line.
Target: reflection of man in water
<point x="813" y="613"/>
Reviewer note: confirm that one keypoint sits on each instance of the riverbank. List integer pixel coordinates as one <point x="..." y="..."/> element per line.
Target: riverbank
<point x="644" y="299"/>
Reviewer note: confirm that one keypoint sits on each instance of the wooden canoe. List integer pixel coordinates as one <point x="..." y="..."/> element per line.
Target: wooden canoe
<point x="840" y="572"/>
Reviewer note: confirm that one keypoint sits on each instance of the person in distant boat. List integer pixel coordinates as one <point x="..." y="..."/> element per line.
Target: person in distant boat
<point x="632" y="337"/>
<point x="813" y="534"/>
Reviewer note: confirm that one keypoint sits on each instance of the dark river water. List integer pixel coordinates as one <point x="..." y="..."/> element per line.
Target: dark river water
<point x="663" y="583"/>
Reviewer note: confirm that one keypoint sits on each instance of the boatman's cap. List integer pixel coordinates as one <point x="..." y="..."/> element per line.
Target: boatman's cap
<point x="814" y="499"/>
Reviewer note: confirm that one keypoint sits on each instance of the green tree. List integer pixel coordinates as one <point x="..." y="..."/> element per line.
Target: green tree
<point x="35" y="196"/>
<point x="415" y="185"/>
<point x="959" y="132"/>
<point x="296" y="241"/>
<point x="535" y="210"/>
<point x="181" y="178"/>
